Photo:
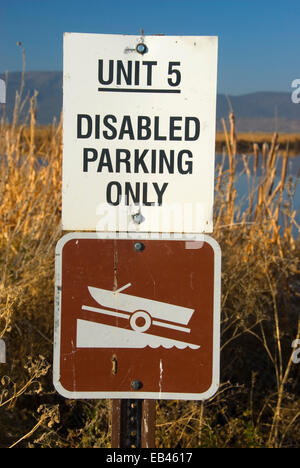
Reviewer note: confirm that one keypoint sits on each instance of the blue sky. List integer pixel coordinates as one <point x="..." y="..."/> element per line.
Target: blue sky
<point x="259" y="41"/>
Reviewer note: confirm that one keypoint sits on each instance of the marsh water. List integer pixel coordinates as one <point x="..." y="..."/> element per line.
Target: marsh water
<point x="244" y="183"/>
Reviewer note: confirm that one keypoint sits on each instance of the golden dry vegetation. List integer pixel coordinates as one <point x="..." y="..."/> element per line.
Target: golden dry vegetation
<point x="258" y="403"/>
<point x="247" y="140"/>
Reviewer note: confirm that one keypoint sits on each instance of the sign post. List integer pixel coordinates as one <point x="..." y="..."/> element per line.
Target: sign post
<point x="133" y="423"/>
<point x="138" y="298"/>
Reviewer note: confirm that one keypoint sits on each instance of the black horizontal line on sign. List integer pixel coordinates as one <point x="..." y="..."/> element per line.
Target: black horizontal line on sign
<point x="132" y="90"/>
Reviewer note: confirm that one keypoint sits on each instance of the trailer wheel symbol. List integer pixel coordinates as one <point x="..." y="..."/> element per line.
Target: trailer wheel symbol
<point x="140" y="321"/>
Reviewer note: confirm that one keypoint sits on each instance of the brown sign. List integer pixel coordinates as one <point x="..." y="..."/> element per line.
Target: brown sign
<point x="137" y="317"/>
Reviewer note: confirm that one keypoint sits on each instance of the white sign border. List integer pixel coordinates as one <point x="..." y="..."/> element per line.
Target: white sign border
<point x="137" y="395"/>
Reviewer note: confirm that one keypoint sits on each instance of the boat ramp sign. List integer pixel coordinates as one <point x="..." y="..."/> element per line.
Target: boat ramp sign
<point x="138" y="133"/>
<point x="137" y="316"/>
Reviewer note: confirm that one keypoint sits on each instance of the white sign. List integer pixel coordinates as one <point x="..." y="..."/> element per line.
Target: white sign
<point x="139" y="133"/>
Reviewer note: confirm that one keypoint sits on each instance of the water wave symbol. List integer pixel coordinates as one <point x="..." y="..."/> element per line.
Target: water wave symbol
<point x="98" y="335"/>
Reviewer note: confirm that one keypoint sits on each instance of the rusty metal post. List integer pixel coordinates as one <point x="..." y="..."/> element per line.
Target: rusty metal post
<point x="115" y="423"/>
<point x="133" y="424"/>
<point x="148" y="424"/>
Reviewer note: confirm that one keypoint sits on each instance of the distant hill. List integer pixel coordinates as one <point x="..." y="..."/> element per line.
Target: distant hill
<point x="49" y="99"/>
<point x="255" y="112"/>
<point x="261" y="112"/>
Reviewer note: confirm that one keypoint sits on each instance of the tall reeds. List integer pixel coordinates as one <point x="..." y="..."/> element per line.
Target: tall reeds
<point x="263" y="241"/>
<point x="257" y="404"/>
<point x="30" y="193"/>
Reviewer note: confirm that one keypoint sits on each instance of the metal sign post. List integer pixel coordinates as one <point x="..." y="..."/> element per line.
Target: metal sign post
<point x="133" y="423"/>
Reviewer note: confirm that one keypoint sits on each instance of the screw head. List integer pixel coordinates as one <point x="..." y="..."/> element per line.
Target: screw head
<point x="138" y="218"/>
<point x="139" y="246"/>
<point x="141" y="48"/>
<point x="136" y="385"/>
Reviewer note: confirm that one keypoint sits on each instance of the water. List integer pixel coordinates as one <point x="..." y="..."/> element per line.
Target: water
<point x="290" y="196"/>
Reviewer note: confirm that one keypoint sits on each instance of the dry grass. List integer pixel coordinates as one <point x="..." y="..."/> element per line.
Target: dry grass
<point x="258" y="403"/>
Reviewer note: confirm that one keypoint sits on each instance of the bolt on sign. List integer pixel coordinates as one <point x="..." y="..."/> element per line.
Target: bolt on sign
<point x="139" y="133"/>
<point x="137" y="316"/>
